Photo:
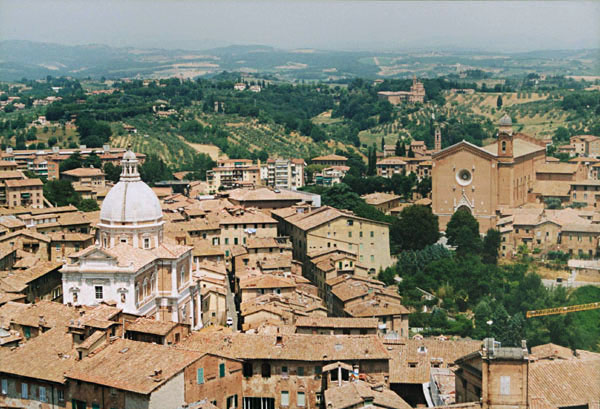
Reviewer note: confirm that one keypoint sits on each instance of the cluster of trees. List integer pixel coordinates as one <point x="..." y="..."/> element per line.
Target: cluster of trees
<point x="77" y="161"/>
<point x="403" y="185"/>
<point x="154" y="170"/>
<point x="92" y="133"/>
<point x="60" y="192"/>
<point x="468" y="282"/>
<point x="582" y="101"/>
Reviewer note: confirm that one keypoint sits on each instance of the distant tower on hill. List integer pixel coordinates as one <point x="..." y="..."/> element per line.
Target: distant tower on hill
<point x="437" y="146"/>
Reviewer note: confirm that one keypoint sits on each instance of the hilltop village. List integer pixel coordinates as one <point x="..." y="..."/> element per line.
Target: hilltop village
<point x="267" y="283"/>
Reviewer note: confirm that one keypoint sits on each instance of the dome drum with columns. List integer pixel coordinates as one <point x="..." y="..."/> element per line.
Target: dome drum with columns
<point x="131" y="212"/>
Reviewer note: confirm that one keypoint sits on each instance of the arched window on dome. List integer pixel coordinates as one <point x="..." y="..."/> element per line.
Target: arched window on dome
<point x="137" y="293"/>
<point x="153" y="283"/>
<point x="182" y="275"/>
<point x="146" y="288"/>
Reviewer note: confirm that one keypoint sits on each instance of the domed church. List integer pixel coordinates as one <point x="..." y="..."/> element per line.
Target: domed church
<point x="130" y="264"/>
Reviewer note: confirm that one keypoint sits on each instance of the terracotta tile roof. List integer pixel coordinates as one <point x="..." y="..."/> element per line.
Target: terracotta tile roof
<point x="266" y="242"/>
<point x="266" y="281"/>
<point x="336" y="322"/>
<point x="420" y="353"/>
<point x="581" y="228"/>
<point x="24" y="183"/>
<point x="551" y="351"/>
<point x="588" y="182"/>
<point x="246" y="217"/>
<point x="379" y="198"/>
<point x="521" y="147"/>
<point x="20" y="279"/>
<point x="10" y="310"/>
<point x="150" y="326"/>
<point x="44" y="313"/>
<point x="330" y="158"/>
<point x="552" y="188"/>
<point x="28" y="233"/>
<point x="325" y="214"/>
<point x="204" y="248"/>
<point x="375" y="308"/>
<point x="557" y="167"/>
<point x="45" y="357"/>
<point x="392" y="160"/>
<point x="263" y="194"/>
<point x="139" y="367"/>
<point x="59" y="236"/>
<point x="361" y="394"/>
<point x="562" y="383"/>
<point x="11" y="174"/>
<point x="295" y="347"/>
<point x="11" y="222"/>
<point x="83" y="172"/>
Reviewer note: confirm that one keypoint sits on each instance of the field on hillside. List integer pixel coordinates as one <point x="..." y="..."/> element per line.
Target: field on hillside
<point x="535" y="114"/>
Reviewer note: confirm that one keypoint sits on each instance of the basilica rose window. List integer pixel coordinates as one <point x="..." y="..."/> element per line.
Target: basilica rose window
<point x="464" y="177"/>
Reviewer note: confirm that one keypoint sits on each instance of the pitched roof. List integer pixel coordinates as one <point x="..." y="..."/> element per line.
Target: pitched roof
<point x="379" y="198"/>
<point x="294" y="347"/>
<point x="336" y="322"/>
<point x="24" y="183"/>
<point x="561" y="383"/>
<point x="45" y="357"/>
<point x="557" y="167"/>
<point x="322" y="215"/>
<point x="521" y="147"/>
<point x="263" y="194"/>
<point x="330" y="158"/>
<point x="266" y="281"/>
<point x="360" y="394"/>
<point x="552" y="188"/>
<point x="139" y="367"/>
<point x="83" y="172"/>
<point x="150" y="326"/>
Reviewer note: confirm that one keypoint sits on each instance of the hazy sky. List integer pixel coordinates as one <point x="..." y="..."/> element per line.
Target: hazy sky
<point x="348" y="25"/>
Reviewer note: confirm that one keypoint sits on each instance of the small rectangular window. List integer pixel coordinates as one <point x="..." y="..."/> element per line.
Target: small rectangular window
<point x="61" y="394"/>
<point x="301" y="399"/>
<point x="99" y="292"/>
<point x="300" y="371"/>
<point x="221" y="370"/>
<point x="4" y="389"/>
<point x="285" y="398"/>
<point x="42" y="392"/>
<point x="200" y="376"/>
<point x="24" y="391"/>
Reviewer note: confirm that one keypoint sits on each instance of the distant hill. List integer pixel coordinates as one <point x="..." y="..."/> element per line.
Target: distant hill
<point x="35" y="60"/>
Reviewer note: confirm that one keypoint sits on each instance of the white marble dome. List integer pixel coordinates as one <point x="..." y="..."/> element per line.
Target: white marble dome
<point x="130" y="202"/>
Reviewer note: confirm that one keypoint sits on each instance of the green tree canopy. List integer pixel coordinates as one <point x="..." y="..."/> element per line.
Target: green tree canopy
<point x="491" y="245"/>
<point x="418" y="228"/>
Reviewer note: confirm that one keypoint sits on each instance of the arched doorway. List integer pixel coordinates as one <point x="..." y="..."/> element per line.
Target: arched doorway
<point x="463" y="208"/>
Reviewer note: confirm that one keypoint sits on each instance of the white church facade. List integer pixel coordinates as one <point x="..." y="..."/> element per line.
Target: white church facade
<point x="130" y="264"/>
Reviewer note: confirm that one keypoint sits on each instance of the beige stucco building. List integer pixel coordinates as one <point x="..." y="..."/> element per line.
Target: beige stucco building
<point x="482" y="179"/>
<point x="330" y="228"/>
